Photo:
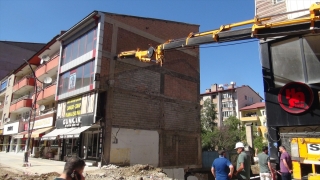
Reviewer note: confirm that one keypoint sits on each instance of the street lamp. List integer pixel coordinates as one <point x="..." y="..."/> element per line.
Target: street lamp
<point x="47" y="80"/>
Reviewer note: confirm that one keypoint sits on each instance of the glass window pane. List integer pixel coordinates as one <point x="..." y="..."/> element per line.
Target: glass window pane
<point x="72" y="80"/>
<point x="65" y="82"/>
<point x="68" y="53"/>
<point x="86" y="74"/>
<point x="89" y="41"/>
<point x="79" y="77"/>
<point x="75" y="49"/>
<point x="312" y="56"/>
<point x="63" y="56"/>
<point x="82" y="45"/>
<point x="286" y="62"/>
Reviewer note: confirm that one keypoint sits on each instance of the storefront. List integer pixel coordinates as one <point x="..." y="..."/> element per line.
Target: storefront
<point x="39" y="128"/>
<point x="75" y="136"/>
<point x="10" y="131"/>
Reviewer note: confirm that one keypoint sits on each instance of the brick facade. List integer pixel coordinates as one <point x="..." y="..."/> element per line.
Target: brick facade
<point x="146" y="96"/>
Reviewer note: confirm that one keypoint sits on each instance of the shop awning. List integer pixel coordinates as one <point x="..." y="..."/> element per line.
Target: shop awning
<point x="57" y="132"/>
<point x="76" y="132"/>
<point x="37" y="133"/>
<point x="20" y="135"/>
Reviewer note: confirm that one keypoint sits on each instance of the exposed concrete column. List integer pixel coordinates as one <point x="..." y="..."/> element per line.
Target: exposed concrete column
<point x="249" y="134"/>
<point x="109" y="100"/>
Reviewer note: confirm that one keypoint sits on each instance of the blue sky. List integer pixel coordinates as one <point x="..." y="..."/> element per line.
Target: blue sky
<point x="40" y="20"/>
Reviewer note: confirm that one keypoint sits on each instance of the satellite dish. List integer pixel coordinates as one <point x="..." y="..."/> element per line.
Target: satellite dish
<point x="41" y="62"/>
<point x="47" y="80"/>
<point x="220" y="86"/>
<point x="150" y="51"/>
<point x="42" y="107"/>
<point x="7" y="120"/>
<point x="45" y="58"/>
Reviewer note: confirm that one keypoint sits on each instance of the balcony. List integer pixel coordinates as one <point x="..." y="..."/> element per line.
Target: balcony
<point x="49" y="68"/>
<point x="250" y="118"/>
<point x="47" y="94"/>
<point x="21" y="104"/>
<point x="26" y="84"/>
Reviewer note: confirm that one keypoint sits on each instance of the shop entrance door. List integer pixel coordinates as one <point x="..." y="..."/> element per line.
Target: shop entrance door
<point x="92" y="141"/>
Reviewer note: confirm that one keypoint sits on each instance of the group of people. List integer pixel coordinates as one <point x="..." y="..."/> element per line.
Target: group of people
<point x="222" y="169"/>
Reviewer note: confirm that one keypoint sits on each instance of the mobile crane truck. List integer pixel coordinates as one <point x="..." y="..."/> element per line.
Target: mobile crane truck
<point x="304" y="145"/>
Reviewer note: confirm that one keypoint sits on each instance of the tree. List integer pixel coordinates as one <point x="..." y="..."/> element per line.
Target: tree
<point x="208" y="115"/>
<point x="208" y="124"/>
<point x="225" y="136"/>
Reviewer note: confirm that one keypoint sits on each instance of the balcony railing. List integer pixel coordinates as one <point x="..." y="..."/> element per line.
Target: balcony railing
<point x="20" y="104"/>
<point x="23" y="84"/>
<point x="47" y="91"/>
<point x="251" y="118"/>
<point x="47" y="66"/>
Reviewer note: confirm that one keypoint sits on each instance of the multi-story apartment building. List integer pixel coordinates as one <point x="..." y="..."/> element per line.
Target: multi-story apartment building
<point x="255" y="114"/>
<point x="11" y="57"/>
<point x="229" y="99"/>
<point x="126" y="111"/>
<point x="13" y="53"/>
<point x="21" y="98"/>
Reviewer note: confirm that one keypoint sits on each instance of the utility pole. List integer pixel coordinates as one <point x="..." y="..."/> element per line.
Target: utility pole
<point x="32" y="114"/>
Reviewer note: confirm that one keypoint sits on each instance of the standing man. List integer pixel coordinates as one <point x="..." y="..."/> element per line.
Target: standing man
<point x="265" y="165"/>
<point x="243" y="163"/>
<point x="222" y="169"/>
<point x="285" y="164"/>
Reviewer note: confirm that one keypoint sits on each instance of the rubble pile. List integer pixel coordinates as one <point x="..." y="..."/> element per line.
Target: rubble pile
<point x="112" y="172"/>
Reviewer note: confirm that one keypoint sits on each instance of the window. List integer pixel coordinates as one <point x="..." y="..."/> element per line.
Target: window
<point x="77" y="78"/>
<point x="79" y="47"/>
<point x="226" y="95"/>
<point x="263" y="113"/>
<point x="3" y="85"/>
<point x="277" y="1"/>
<point x="227" y="113"/>
<point x="6" y="99"/>
<point x="245" y="97"/>
<point x="9" y="82"/>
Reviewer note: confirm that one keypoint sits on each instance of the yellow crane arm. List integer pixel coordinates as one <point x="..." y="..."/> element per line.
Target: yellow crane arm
<point x="219" y="35"/>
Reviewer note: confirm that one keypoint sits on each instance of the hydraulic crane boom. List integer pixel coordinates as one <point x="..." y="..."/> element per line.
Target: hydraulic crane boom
<point x="223" y="34"/>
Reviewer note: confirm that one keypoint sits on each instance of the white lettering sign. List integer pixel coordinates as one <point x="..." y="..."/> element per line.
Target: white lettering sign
<point x="11" y="128"/>
<point x="72" y="122"/>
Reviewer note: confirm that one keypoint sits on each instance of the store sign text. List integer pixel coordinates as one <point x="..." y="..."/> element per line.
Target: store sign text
<point x="72" y="122"/>
<point x="10" y="128"/>
<point x="73" y="107"/>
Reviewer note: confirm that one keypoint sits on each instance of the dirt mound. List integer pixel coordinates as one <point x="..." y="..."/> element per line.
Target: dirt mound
<point x="135" y="172"/>
<point x="10" y="174"/>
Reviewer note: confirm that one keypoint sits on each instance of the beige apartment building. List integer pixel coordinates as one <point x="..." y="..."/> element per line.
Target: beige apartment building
<point x="229" y="99"/>
<point x="255" y="114"/>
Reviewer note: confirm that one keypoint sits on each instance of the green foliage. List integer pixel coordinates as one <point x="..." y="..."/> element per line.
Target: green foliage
<point x="208" y="115"/>
<point x="258" y="142"/>
<point x="224" y="137"/>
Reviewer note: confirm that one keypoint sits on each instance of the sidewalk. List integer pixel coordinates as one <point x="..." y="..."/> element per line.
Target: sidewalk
<point x="39" y="166"/>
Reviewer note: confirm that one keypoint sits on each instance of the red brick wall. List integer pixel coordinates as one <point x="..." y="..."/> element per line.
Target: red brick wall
<point x="146" y="96"/>
<point x="107" y="39"/>
<point x="179" y="88"/>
